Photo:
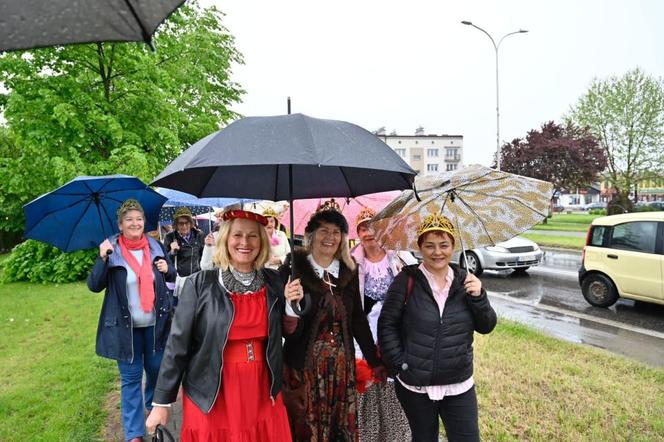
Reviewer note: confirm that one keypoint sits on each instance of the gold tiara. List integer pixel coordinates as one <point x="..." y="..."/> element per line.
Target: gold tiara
<point x="270" y="212"/>
<point x="130" y="204"/>
<point x="365" y="215"/>
<point x="436" y="222"/>
<point x="329" y="205"/>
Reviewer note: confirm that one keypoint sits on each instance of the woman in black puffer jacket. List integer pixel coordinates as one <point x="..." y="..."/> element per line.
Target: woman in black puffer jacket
<point x="425" y="333"/>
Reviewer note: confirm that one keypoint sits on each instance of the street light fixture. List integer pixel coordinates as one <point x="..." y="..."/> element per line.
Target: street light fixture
<point x="496" y="46"/>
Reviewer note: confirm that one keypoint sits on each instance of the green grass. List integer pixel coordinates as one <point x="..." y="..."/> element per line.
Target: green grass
<point x="567" y="223"/>
<point x="536" y="388"/>
<point x="52" y="385"/>
<point x="565" y="242"/>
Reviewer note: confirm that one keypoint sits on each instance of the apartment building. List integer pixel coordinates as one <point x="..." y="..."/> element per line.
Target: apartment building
<point x="427" y="154"/>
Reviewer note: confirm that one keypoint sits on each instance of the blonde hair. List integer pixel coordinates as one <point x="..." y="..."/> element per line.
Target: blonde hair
<point x="222" y="256"/>
<point x="342" y="254"/>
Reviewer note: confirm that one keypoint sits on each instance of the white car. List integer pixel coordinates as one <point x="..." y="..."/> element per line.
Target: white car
<point x="517" y="254"/>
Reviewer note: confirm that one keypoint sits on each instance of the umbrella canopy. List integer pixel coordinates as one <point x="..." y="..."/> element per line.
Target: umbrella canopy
<point x="287" y="157"/>
<point x="177" y="198"/>
<point x="487" y="206"/>
<point x="350" y="208"/>
<point x="28" y="24"/>
<point x="82" y="213"/>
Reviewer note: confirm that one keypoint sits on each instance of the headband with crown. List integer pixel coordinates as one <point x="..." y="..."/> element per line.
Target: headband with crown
<point x="329" y="205"/>
<point x="234" y="214"/>
<point x="436" y="223"/>
<point x="365" y="215"/>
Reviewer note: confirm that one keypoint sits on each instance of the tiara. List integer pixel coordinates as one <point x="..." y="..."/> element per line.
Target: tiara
<point x="130" y="204"/>
<point x="329" y="205"/>
<point x="436" y="222"/>
<point x="365" y="215"/>
<point x="270" y="213"/>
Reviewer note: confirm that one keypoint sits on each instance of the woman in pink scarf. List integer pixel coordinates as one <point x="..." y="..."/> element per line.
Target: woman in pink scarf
<point x="136" y="313"/>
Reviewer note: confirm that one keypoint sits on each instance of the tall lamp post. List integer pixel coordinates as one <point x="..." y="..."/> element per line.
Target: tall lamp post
<point x="496" y="46"/>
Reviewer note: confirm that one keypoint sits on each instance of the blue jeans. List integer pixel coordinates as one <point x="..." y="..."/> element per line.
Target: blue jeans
<point x="132" y="401"/>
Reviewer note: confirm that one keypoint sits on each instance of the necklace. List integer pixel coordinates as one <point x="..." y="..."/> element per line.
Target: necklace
<point x="244" y="278"/>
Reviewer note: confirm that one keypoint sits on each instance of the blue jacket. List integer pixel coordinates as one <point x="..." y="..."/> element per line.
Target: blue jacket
<point x="114" y="332"/>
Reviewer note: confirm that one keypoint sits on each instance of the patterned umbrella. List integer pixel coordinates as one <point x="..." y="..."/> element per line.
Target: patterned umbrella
<point x="487" y="206"/>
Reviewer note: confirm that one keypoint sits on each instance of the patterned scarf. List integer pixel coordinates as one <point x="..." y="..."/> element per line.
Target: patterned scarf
<point x="143" y="271"/>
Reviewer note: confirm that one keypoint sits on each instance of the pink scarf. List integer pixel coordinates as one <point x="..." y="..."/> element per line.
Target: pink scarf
<point x="143" y="271"/>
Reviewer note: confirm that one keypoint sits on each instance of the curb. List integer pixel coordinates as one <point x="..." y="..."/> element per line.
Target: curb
<point x="561" y="250"/>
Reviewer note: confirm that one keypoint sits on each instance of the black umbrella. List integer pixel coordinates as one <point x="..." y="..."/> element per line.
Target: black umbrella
<point x="27" y="24"/>
<point x="287" y="157"/>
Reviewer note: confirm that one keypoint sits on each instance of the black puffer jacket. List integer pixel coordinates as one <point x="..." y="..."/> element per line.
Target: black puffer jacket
<point x="422" y="347"/>
<point x="194" y="350"/>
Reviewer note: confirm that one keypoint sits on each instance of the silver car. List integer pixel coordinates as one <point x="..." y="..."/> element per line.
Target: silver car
<point x="517" y="254"/>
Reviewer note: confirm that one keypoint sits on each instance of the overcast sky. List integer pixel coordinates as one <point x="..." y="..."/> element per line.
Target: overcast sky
<point x="404" y="64"/>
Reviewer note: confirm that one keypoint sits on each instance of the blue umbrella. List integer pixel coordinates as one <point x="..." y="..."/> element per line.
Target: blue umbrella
<point x="82" y="213"/>
<point x="177" y="198"/>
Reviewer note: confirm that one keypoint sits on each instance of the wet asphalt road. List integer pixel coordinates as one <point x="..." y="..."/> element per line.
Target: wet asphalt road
<point x="549" y="298"/>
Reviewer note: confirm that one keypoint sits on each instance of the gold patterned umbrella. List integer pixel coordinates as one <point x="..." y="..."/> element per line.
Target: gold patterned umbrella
<point x="486" y="206"/>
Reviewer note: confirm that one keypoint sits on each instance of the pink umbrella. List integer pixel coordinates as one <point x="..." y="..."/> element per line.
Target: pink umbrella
<point x="350" y="208"/>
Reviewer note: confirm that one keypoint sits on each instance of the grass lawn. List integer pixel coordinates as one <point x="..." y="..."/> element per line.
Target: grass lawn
<point x="52" y="385"/>
<point x="530" y="387"/>
<point x="536" y="388"/>
<point x="576" y="222"/>
<point x="565" y="242"/>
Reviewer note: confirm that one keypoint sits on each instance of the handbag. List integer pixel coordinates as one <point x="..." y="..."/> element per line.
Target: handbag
<point x="161" y="434"/>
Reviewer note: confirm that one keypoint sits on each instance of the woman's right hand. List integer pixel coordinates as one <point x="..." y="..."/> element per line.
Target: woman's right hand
<point x="158" y="416"/>
<point x="104" y="248"/>
<point x="209" y="239"/>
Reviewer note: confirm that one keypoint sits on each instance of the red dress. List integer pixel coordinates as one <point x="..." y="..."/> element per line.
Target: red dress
<point x="244" y="410"/>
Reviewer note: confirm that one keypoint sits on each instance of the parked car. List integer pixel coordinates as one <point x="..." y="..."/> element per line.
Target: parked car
<point x="624" y="258"/>
<point x="595" y="205"/>
<point x="557" y="208"/>
<point x="517" y="254"/>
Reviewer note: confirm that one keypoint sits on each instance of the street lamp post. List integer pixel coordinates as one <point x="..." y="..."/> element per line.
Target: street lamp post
<point x="496" y="46"/>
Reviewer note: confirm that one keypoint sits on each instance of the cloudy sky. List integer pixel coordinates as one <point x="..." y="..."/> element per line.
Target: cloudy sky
<point x="404" y="64"/>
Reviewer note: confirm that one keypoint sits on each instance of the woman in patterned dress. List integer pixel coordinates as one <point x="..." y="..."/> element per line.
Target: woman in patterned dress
<point x="226" y="343"/>
<point x="380" y="416"/>
<point x="319" y="357"/>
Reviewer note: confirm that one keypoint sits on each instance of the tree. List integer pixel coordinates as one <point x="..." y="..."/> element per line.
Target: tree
<point x="626" y="114"/>
<point x="112" y="107"/>
<point x="567" y="156"/>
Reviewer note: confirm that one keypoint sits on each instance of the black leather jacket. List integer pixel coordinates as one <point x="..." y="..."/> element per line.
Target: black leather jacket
<point x="416" y="342"/>
<point x="194" y="351"/>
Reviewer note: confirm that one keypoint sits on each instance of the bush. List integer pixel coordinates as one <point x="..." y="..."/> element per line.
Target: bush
<point x="647" y="209"/>
<point x="36" y="261"/>
<point x="597" y="212"/>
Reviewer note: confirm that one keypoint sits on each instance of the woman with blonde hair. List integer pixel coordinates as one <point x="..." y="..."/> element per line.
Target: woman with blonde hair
<point x="319" y="357"/>
<point x="225" y="345"/>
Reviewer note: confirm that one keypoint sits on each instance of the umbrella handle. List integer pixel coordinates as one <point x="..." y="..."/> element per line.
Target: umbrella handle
<point x="307" y="305"/>
<point x="417" y="196"/>
<point x="109" y="252"/>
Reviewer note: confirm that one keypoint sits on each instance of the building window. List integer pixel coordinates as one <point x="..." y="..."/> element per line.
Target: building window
<point x="417" y="157"/>
<point x="399" y="142"/>
<point x="450" y="153"/>
<point x="432" y="167"/>
<point x="432" y="153"/>
<point x="450" y="167"/>
<point x="451" y="141"/>
<point x="401" y="152"/>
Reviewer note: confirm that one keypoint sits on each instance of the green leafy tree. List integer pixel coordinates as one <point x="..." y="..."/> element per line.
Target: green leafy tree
<point x="110" y="108"/>
<point x="626" y="114"/>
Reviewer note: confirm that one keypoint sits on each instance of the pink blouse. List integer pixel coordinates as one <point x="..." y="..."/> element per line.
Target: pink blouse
<point x="440" y="294"/>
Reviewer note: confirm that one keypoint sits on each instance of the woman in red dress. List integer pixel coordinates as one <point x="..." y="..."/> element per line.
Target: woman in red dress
<point x="232" y="394"/>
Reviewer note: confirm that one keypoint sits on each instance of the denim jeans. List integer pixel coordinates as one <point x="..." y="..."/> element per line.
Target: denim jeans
<point x="133" y="400"/>
<point x="458" y="413"/>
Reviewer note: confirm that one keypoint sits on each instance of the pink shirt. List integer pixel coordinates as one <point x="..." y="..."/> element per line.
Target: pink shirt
<point x="440" y="294"/>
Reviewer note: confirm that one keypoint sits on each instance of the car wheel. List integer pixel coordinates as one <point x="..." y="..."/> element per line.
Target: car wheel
<point x="521" y="270"/>
<point x="599" y="290"/>
<point x="474" y="265"/>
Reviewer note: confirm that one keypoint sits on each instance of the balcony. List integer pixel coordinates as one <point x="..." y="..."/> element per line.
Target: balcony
<point x="453" y="158"/>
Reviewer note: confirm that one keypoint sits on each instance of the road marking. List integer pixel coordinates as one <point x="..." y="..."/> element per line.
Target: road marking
<point x="610" y="322"/>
